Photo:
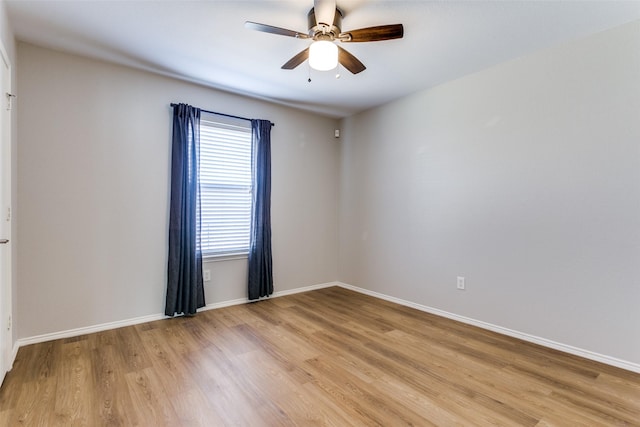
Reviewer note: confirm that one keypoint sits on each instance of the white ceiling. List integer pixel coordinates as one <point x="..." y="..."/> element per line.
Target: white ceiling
<point x="206" y="42"/>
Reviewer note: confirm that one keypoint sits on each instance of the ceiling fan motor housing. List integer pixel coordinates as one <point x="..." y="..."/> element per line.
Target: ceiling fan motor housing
<point x="322" y="30"/>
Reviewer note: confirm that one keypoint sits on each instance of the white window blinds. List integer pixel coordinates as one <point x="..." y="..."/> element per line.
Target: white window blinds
<point x="225" y="188"/>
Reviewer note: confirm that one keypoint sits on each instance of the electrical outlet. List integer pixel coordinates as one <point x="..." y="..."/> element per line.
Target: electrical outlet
<point x="460" y="283"/>
<point x="206" y="275"/>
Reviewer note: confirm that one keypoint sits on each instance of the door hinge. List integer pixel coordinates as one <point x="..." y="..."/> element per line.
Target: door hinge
<point x="10" y="97"/>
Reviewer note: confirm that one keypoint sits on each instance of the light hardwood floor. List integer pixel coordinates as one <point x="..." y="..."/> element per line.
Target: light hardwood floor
<point x="326" y="357"/>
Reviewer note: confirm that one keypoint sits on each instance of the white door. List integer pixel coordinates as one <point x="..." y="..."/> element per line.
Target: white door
<point x="5" y="214"/>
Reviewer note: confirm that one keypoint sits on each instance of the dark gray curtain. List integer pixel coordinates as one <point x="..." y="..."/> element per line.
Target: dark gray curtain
<point x="260" y="268"/>
<point x="185" y="290"/>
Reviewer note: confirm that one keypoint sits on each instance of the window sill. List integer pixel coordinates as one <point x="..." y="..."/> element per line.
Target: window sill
<point x="225" y="257"/>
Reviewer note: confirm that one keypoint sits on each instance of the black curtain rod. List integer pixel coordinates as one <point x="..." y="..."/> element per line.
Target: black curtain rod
<point x="221" y="114"/>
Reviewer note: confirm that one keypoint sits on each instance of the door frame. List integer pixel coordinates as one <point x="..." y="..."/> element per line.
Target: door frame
<point x="6" y="333"/>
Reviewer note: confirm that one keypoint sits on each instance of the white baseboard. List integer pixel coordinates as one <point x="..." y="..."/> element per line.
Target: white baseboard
<point x="239" y="301"/>
<point x="143" y="319"/>
<point x="587" y="354"/>
<point x="630" y="366"/>
<point x="306" y="289"/>
<point x="14" y="353"/>
<point x="12" y="358"/>
<point x="88" y="329"/>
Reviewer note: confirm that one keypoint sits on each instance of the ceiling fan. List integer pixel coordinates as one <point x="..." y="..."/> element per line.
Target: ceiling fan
<point x="325" y="27"/>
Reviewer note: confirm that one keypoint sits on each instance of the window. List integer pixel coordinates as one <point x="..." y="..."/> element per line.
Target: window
<point x="225" y="188"/>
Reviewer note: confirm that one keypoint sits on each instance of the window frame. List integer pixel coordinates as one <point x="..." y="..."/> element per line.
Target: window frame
<point x="243" y="133"/>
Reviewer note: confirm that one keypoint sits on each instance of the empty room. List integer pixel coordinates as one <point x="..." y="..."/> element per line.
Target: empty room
<point x="319" y="213"/>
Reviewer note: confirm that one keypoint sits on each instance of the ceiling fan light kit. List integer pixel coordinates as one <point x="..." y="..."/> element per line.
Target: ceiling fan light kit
<point x="325" y="22"/>
<point x="323" y="55"/>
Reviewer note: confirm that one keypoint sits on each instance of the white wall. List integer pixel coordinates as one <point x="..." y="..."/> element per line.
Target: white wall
<point x="525" y="179"/>
<point x="94" y="143"/>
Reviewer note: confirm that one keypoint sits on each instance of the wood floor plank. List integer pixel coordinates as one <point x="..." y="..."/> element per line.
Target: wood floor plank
<point x="210" y="373"/>
<point x="132" y="353"/>
<point x="112" y="395"/>
<point x="73" y="404"/>
<point x="233" y="392"/>
<point x="470" y="378"/>
<point x="362" y="395"/>
<point x="187" y="399"/>
<point x="30" y="411"/>
<point x="330" y="357"/>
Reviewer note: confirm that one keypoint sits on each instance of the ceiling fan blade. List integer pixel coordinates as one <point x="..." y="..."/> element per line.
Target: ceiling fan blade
<point x="274" y="30"/>
<point x="325" y="11"/>
<point x="349" y="61"/>
<point x="296" y="60"/>
<point x="373" y="34"/>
